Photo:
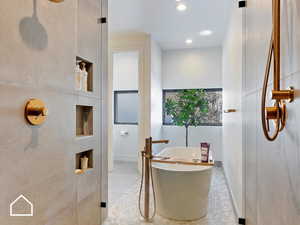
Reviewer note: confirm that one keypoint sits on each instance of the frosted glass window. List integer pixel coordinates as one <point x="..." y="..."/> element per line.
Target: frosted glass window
<point x="126" y="107"/>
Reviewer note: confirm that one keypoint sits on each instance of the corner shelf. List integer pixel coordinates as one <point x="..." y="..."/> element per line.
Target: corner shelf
<point x="89" y="69"/>
<point x="84" y="121"/>
<point x="78" y="164"/>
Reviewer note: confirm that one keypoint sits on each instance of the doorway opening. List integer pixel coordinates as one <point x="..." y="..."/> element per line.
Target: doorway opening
<point x="124" y="127"/>
<point x="161" y="53"/>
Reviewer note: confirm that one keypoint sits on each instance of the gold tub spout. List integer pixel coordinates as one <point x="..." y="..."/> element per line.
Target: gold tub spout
<point x="161" y="142"/>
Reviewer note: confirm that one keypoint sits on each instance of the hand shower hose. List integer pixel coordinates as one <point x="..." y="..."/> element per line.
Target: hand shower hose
<point x="141" y="187"/>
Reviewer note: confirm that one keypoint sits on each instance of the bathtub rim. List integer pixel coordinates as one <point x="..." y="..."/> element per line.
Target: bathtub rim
<point x="179" y="167"/>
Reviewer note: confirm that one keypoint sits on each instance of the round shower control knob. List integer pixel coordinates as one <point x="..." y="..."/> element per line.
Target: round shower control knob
<point x="36" y="112"/>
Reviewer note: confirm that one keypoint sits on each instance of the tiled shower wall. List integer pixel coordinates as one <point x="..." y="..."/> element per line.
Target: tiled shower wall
<point x="39" y="42"/>
<point x="272" y="168"/>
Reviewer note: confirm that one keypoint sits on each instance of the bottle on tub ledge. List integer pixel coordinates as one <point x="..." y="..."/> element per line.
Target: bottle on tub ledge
<point x="205" y="152"/>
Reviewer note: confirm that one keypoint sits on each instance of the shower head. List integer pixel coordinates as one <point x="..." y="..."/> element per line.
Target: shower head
<point x="56" y="1"/>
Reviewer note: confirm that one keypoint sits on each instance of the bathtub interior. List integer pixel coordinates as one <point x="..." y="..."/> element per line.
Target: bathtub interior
<point x="180" y="153"/>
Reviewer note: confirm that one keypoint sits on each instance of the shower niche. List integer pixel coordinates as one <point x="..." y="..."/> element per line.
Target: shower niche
<point x="83" y="75"/>
<point x="84" y="120"/>
<point x="84" y="161"/>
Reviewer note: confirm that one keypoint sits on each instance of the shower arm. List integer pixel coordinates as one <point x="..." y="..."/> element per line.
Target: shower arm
<point x="277" y="113"/>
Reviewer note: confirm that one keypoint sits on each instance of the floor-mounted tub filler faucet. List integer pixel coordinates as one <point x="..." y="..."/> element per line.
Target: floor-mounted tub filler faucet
<point x="277" y="113"/>
<point x="147" y="179"/>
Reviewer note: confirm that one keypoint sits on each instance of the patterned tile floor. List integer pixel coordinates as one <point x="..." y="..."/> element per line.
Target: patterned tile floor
<point x="121" y="180"/>
<point x="124" y="211"/>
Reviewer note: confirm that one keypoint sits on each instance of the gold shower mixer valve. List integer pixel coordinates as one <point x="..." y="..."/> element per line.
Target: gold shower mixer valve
<point x="273" y="113"/>
<point x="36" y="112"/>
<point x="277" y="113"/>
<point x="284" y="95"/>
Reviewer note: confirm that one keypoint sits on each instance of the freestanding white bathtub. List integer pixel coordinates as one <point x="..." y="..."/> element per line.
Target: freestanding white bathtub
<point x="181" y="190"/>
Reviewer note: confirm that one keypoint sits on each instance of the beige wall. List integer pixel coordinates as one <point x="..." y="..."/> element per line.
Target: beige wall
<point x="272" y="168"/>
<point x="37" y="61"/>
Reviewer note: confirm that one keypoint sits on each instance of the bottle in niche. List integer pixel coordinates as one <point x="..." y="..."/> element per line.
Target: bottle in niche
<point x="84" y="77"/>
<point x="204" y="152"/>
<point x="78" y="76"/>
<point x="84" y="163"/>
<point x="85" y="123"/>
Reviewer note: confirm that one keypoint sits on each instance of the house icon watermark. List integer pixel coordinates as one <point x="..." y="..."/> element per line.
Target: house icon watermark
<point x="27" y="204"/>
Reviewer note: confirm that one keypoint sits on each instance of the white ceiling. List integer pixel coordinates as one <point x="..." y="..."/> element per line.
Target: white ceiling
<point x="169" y="27"/>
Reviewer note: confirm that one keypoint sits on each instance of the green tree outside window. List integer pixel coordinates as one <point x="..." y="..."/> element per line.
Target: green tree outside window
<point x="187" y="108"/>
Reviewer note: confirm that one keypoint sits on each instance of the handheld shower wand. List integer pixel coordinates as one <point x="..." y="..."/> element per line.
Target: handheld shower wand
<point x="276" y="113"/>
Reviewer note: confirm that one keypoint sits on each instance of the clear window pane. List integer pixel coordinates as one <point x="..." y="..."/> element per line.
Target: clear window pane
<point x="215" y="102"/>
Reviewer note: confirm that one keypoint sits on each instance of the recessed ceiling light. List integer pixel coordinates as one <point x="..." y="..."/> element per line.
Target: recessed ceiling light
<point x="178" y="0"/>
<point x="181" y="7"/>
<point x="206" y="33"/>
<point x="188" y="41"/>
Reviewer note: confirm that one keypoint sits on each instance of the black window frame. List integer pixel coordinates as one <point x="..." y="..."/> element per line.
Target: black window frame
<point x="116" y="93"/>
<point x="177" y="90"/>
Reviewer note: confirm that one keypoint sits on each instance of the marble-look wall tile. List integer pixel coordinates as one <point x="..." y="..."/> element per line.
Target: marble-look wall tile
<point x="250" y="78"/>
<point x="272" y="168"/>
<point x="88" y="46"/>
<point x="37" y="60"/>
<point x="290" y="37"/>
<point x="250" y="115"/>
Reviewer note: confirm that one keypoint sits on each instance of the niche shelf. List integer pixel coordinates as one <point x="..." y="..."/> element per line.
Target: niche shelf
<point x="89" y="69"/>
<point x="78" y="163"/>
<point x="84" y="120"/>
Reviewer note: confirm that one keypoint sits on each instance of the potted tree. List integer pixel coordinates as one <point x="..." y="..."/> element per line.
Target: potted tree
<point x="187" y="108"/>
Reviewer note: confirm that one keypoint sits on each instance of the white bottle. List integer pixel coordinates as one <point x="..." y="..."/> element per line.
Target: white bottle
<point x="78" y="77"/>
<point x="84" y="78"/>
